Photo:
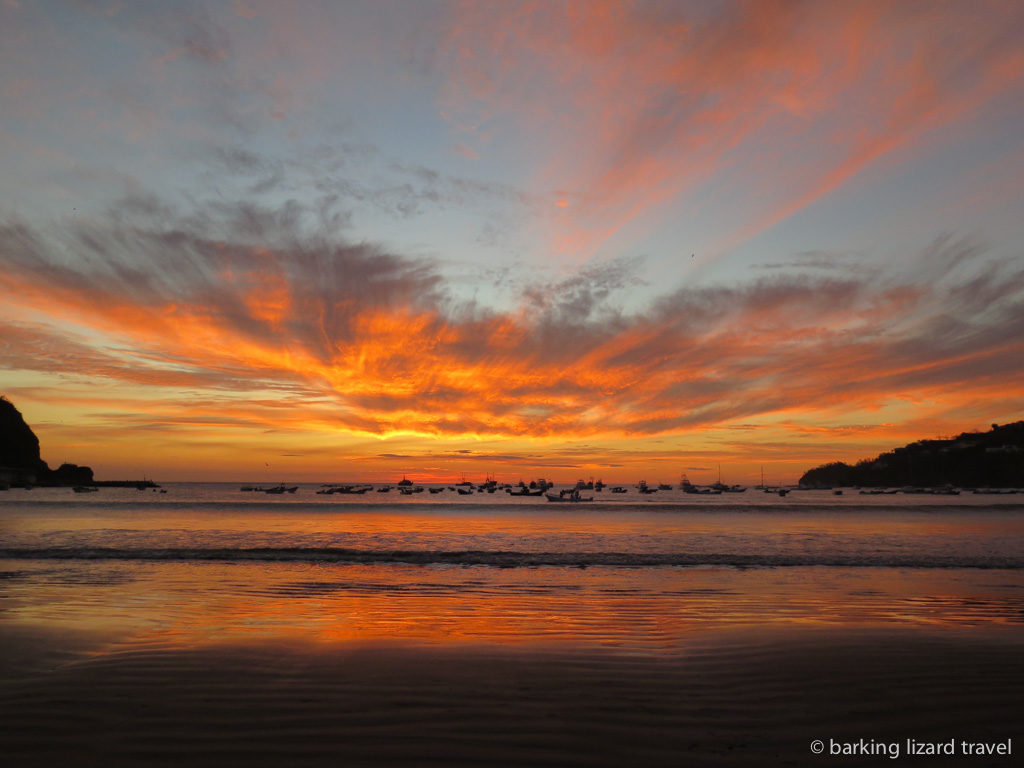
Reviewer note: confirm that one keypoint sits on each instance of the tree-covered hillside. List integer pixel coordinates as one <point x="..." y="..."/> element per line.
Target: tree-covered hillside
<point x="993" y="459"/>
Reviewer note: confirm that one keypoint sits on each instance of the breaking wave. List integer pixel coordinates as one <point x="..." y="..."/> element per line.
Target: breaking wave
<point x="513" y="559"/>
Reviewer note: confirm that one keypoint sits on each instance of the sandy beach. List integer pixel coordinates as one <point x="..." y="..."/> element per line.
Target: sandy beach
<point x="757" y="697"/>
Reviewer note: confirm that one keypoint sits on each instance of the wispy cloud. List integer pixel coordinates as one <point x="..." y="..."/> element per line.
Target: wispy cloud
<point x="643" y="103"/>
<point x="239" y="299"/>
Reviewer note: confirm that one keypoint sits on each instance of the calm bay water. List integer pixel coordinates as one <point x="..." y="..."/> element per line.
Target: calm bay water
<point x="208" y="563"/>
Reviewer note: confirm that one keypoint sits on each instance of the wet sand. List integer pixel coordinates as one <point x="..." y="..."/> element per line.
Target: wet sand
<point x="745" y="698"/>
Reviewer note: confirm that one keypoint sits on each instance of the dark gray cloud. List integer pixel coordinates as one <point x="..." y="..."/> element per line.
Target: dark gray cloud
<point x="575" y="300"/>
<point x="818" y="259"/>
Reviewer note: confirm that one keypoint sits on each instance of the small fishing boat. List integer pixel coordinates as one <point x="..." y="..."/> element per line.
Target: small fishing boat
<point x="352" y="489"/>
<point x="688" y="487"/>
<point x="278" y="489"/>
<point x="570" y="497"/>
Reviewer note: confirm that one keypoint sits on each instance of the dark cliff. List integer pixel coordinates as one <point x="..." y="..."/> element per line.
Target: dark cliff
<point x="993" y="459"/>
<point x="19" y="446"/>
<point x="20" y="461"/>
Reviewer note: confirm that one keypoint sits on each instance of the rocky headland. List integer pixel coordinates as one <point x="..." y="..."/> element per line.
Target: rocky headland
<point x="20" y="460"/>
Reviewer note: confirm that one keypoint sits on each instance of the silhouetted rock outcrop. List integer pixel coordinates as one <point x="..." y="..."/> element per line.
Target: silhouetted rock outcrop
<point x="20" y="461"/>
<point x="70" y="474"/>
<point x="19" y="446"/>
<point x="993" y="459"/>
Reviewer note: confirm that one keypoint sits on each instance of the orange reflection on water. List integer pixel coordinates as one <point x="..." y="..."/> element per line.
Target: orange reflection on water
<point x="192" y="605"/>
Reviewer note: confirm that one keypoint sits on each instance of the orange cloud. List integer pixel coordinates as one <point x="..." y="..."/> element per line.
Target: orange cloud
<point x="643" y="104"/>
<point x="357" y="341"/>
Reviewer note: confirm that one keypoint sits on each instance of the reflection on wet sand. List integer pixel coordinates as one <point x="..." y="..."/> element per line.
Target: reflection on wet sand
<point x="652" y="610"/>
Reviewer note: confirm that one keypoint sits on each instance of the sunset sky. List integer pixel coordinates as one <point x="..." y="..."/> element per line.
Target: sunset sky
<point x="329" y="241"/>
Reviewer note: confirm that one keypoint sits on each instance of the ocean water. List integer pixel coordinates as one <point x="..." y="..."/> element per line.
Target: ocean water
<point x="208" y="563"/>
